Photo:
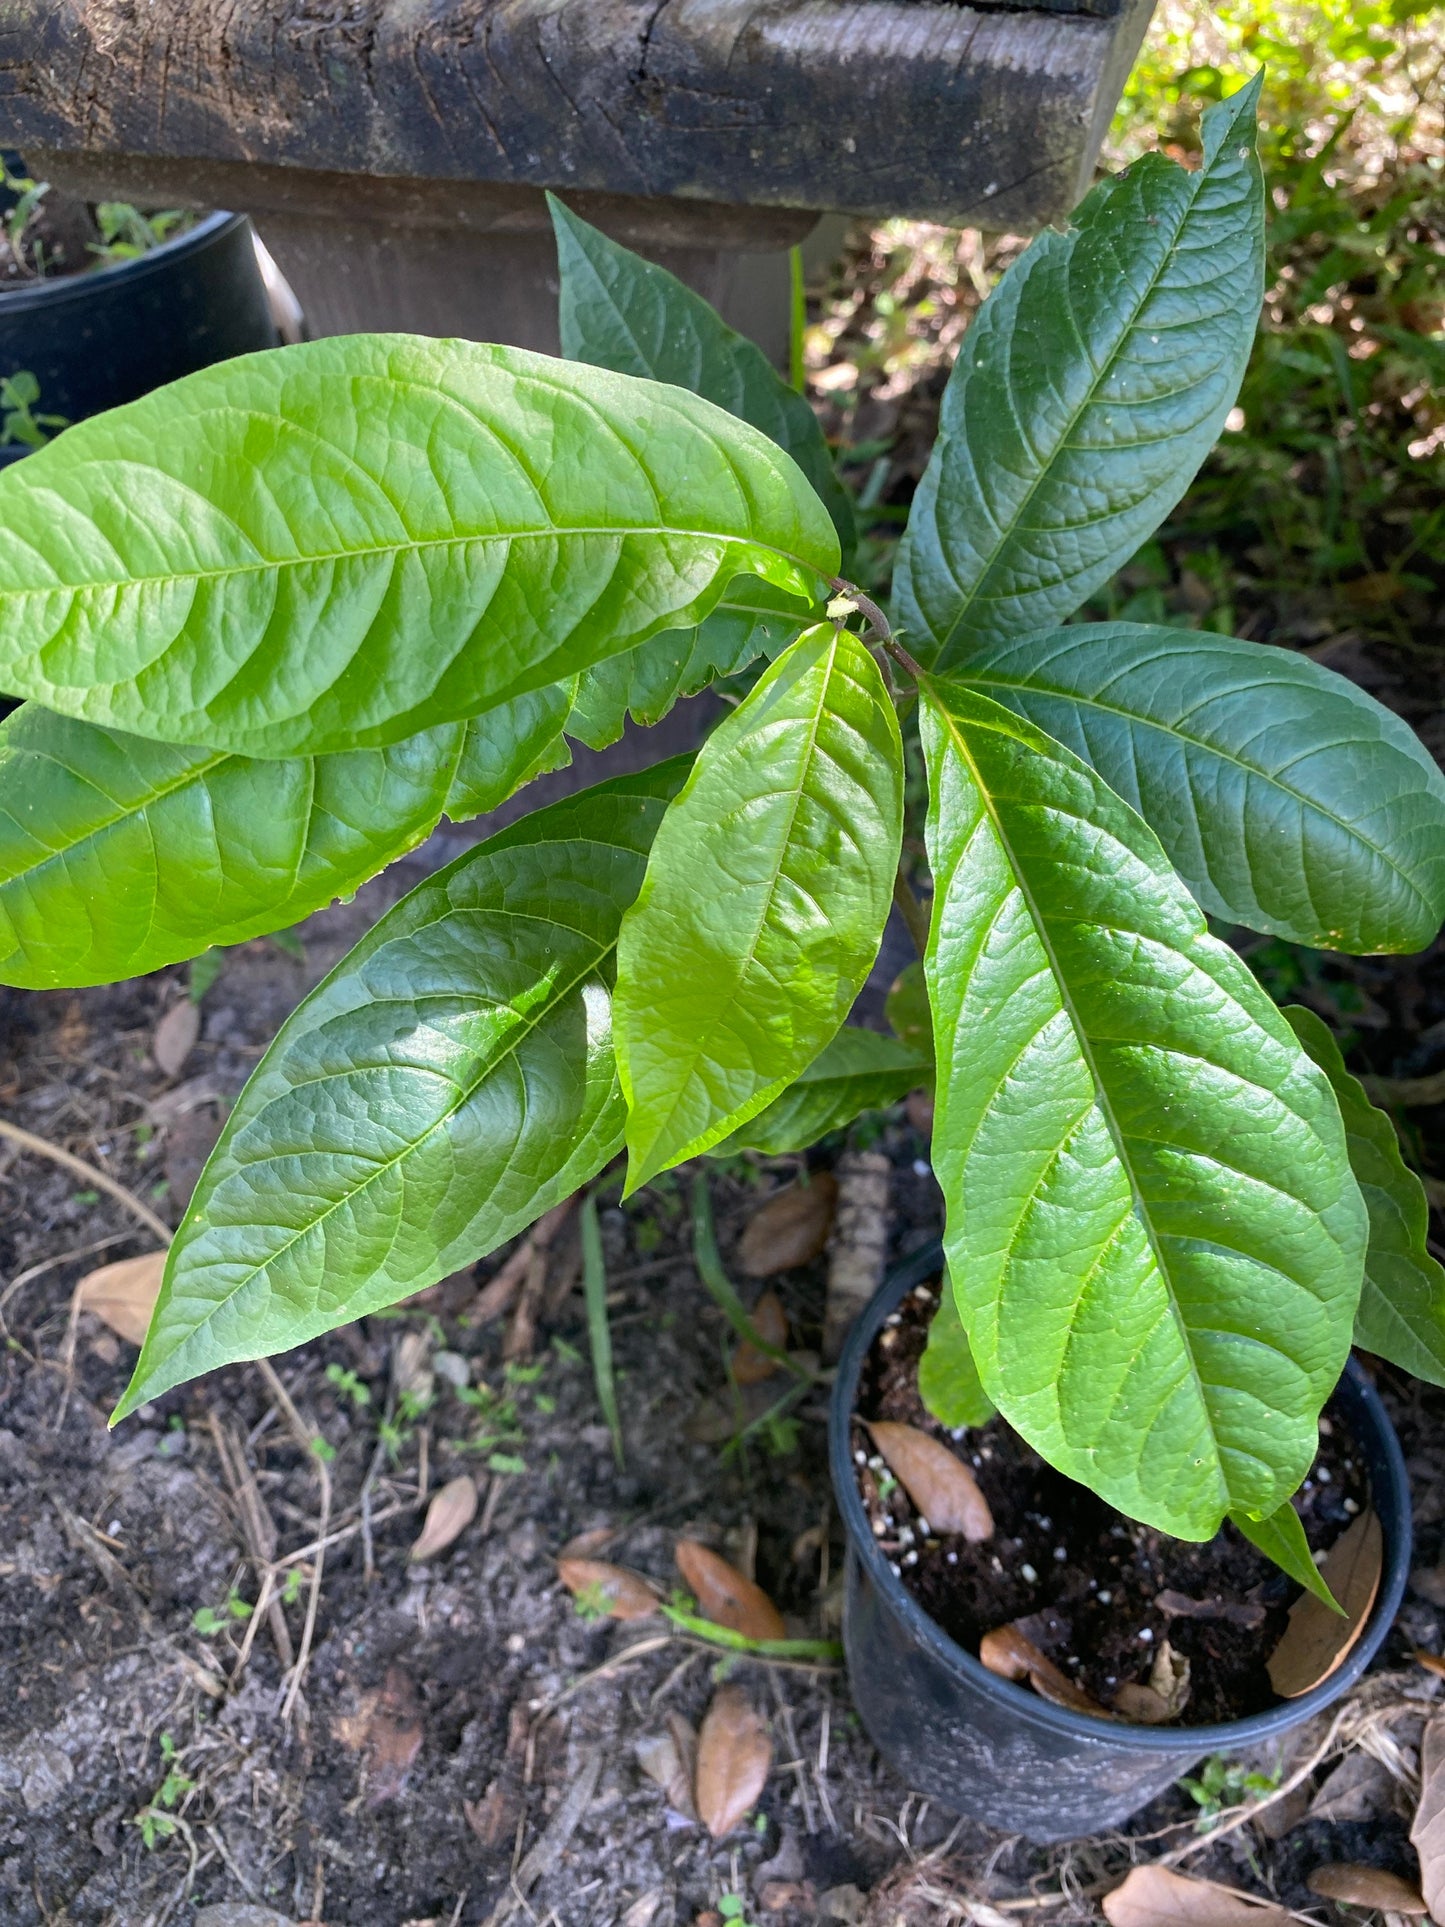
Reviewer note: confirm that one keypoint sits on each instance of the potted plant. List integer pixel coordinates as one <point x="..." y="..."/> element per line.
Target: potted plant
<point x="274" y="620"/>
<point x="99" y="306"/>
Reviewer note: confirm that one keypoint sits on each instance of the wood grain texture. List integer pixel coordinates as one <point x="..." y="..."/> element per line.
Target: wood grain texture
<point x="878" y="106"/>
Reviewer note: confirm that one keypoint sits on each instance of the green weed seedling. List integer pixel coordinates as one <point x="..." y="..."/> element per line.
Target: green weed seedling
<point x="301" y="605"/>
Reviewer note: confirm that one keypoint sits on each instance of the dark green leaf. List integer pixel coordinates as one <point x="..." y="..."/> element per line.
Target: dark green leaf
<point x="449" y="1081"/>
<point x="1151" y="1224"/>
<point x="1402" y="1305"/>
<point x="622" y="312"/>
<point x="340" y="544"/>
<point x="765" y="899"/>
<point x="1090" y="387"/>
<point x="908" y="1012"/>
<point x="1287" y="798"/>
<point x="861" y="1070"/>
<point x="948" y="1380"/>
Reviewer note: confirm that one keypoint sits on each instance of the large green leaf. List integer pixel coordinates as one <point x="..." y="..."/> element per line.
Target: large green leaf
<point x="339" y="544"/>
<point x="861" y="1070"/>
<point x="119" y="855"/>
<point x="766" y="895"/>
<point x="1401" y="1314"/>
<point x="1152" y="1229"/>
<point x="1287" y="798"/>
<point x="752" y="619"/>
<point x="451" y="1079"/>
<point x="1085" y="395"/>
<point x="622" y="312"/>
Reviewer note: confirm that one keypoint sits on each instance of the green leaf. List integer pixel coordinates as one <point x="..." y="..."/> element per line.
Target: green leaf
<point x="340" y="544"/>
<point x="1281" y="1537"/>
<point x="119" y="855"/>
<point x="948" y="1380"/>
<point x="907" y="1009"/>
<point x="764" y="904"/>
<point x="1401" y="1314"/>
<point x="1151" y="1224"/>
<point x="752" y="619"/>
<point x="619" y="311"/>
<point x="861" y="1070"/>
<point x="449" y="1081"/>
<point x="506" y="747"/>
<point x="1086" y="393"/>
<point x="1287" y="798"/>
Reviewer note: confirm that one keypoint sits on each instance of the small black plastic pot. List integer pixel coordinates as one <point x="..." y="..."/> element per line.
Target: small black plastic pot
<point x="95" y="340"/>
<point x="984" y="1747"/>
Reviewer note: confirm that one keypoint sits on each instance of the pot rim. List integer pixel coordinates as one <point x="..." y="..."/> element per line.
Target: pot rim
<point x="121" y="274"/>
<point x="1227" y="1737"/>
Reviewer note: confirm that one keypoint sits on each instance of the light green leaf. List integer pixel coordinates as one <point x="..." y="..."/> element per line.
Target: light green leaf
<point x="948" y="1380"/>
<point x="861" y="1070"/>
<point x="506" y="747"/>
<point x="764" y="904"/>
<point x="752" y="619"/>
<point x="1281" y="1537"/>
<point x="1086" y="393"/>
<point x="1401" y="1314"/>
<point x="340" y="544"/>
<point x="119" y="855"/>
<point x="1152" y="1229"/>
<point x="1286" y="798"/>
<point x="449" y="1081"/>
<point x="620" y="311"/>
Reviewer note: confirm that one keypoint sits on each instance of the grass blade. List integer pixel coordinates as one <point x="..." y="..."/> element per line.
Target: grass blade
<point x="599" y="1334"/>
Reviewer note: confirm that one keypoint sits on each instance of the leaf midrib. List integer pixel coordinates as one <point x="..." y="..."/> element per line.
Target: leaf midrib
<point x="983" y="680"/>
<point x="1101" y="1095"/>
<point x="1101" y="375"/>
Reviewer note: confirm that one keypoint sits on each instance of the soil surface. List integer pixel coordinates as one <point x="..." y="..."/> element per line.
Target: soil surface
<point x="1102" y="1592"/>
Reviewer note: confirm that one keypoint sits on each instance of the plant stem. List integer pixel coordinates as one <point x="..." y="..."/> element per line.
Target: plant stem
<point x="710" y="1269"/>
<point x="867" y="607"/>
<point x="599" y="1334"/>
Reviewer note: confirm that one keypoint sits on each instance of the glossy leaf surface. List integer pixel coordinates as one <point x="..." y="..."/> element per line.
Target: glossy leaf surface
<point x="449" y="1081"/>
<point x="119" y="855"/>
<point x="1090" y="387"/>
<point x="1401" y="1314"/>
<point x="339" y="544"/>
<point x="620" y="311"/>
<point x="1152" y="1229"/>
<point x="764" y="904"/>
<point x="948" y="1380"/>
<point x="1281" y="1537"/>
<point x="1286" y="798"/>
<point x="861" y="1070"/>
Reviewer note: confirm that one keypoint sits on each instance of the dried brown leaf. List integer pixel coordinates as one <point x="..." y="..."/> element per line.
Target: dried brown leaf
<point x="734" y="1753"/>
<point x="386" y="1729"/>
<point x="1316" y="1640"/>
<point x="1358" y="1789"/>
<point x="790" y="1229"/>
<point x="725" y="1596"/>
<point x="1158" y="1897"/>
<point x="124" y="1295"/>
<point x="1011" y="1654"/>
<point x="770" y="1322"/>
<point x="1359" y="1886"/>
<point x="1432" y="1662"/>
<point x="1234" y="1612"/>
<point x="622" y="1594"/>
<point x="1427" y="1833"/>
<point x="940" y="1485"/>
<point x="174" y="1037"/>
<point x="1166" y="1695"/>
<point x="451" y="1511"/>
<point x="670" y="1759"/>
<point x="586" y="1545"/>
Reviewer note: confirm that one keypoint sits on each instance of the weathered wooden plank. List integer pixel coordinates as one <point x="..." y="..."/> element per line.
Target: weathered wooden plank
<point x="943" y="111"/>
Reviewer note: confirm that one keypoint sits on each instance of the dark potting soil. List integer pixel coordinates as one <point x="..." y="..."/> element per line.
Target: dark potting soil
<point x="1089" y="1580"/>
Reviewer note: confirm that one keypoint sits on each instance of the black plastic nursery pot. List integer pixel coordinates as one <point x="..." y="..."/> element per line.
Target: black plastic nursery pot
<point x="984" y="1747"/>
<point x="98" y="339"/>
